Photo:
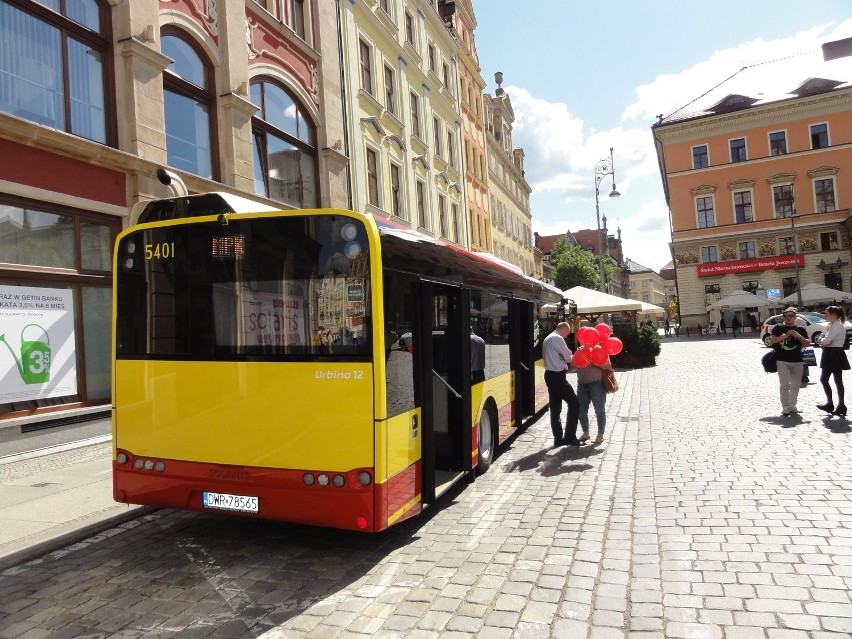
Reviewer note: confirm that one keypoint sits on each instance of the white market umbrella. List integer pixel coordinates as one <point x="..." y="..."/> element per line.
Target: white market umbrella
<point x="590" y="302"/>
<point x="817" y="294"/>
<point x="739" y="301"/>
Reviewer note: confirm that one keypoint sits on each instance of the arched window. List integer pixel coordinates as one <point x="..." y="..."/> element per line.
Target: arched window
<point x="189" y="105"/>
<point x="285" y="152"/>
<point x="52" y="65"/>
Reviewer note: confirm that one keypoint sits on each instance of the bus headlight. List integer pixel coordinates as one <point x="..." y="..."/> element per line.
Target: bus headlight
<point x="364" y="478"/>
<point x="308" y="479"/>
<point x="121" y="458"/>
<point x="338" y="481"/>
<point x="322" y="480"/>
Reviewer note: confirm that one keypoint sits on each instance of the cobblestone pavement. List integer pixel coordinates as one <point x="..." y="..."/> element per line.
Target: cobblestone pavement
<point x="706" y="514"/>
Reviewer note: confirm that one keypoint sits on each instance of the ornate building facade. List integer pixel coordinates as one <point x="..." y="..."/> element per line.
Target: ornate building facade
<point x="753" y="175"/>
<point x="230" y="96"/>
<point x="509" y="193"/>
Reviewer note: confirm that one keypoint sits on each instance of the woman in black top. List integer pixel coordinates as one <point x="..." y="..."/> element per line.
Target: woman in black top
<point x="834" y="360"/>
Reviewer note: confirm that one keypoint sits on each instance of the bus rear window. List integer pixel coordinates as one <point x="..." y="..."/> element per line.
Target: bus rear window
<point x="266" y="287"/>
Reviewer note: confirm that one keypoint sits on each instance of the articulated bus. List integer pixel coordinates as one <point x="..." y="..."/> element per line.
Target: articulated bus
<point x="312" y="366"/>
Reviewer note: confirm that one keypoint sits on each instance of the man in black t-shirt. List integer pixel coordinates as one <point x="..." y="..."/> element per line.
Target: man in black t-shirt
<point x="788" y="340"/>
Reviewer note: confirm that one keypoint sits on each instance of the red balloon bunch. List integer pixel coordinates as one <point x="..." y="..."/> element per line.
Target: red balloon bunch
<point x="597" y="344"/>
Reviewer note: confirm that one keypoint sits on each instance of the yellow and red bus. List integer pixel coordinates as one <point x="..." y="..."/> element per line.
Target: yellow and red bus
<point x="312" y="366"/>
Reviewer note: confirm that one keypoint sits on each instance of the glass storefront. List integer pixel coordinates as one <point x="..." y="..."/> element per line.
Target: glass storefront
<point x="55" y="306"/>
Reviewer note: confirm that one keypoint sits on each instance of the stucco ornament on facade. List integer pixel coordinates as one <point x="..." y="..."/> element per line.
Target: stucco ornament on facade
<point x="687" y="258"/>
<point x="728" y="253"/>
<point x="254" y="53"/>
<point x="808" y="243"/>
<point x="208" y="14"/>
<point x="767" y="249"/>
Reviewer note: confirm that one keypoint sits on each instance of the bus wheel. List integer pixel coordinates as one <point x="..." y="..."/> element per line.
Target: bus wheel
<point x="486" y="442"/>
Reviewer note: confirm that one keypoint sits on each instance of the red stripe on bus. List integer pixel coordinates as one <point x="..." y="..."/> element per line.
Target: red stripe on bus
<point x="282" y="494"/>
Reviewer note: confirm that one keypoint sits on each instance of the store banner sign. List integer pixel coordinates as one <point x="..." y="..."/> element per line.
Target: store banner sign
<point x="742" y="266"/>
<point x="37" y="345"/>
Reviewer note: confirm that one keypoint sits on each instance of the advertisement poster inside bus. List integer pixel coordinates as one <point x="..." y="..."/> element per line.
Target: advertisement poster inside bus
<point x="37" y="354"/>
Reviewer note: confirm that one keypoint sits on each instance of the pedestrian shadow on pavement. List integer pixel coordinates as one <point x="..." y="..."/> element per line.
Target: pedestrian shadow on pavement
<point x="786" y="421"/>
<point x="552" y="461"/>
<point x="837" y="426"/>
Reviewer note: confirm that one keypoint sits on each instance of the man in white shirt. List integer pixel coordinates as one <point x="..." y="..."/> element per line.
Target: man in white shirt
<point x="557" y="358"/>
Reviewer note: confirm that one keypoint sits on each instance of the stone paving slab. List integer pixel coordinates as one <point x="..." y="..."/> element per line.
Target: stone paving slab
<point x="706" y="514"/>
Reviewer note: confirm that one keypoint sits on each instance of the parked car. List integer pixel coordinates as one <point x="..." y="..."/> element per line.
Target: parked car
<point x="815" y="325"/>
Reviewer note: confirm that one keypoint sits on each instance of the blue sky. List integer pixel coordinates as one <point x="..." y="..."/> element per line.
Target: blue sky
<point x="584" y="76"/>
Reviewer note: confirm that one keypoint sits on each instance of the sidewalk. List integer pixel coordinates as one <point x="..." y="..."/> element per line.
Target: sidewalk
<point x="50" y="501"/>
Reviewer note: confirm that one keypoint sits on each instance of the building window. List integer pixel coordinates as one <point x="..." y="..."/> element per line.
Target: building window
<point x="778" y="143"/>
<point x="711" y="293"/>
<point x="52" y="66"/>
<point x="396" y="190"/>
<point x="454" y="222"/>
<point x="415" y="115"/>
<point x="442" y="214"/>
<point x="421" y="204"/>
<point x="786" y="246"/>
<point x="742" y="207"/>
<point x="828" y="241"/>
<point x="384" y="5"/>
<point x="296" y="17"/>
<point x="433" y="64"/>
<point x="451" y="148"/>
<point x="708" y="254"/>
<point x="782" y="197"/>
<point x="704" y="207"/>
<point x="41" y="238"/>
<point x="788" y="286"/>
<point x="700" y="157"/>
<point x="409" y="28"/>
<point x="189" y="104"/>
<point x="747" y="250"/>
<point x="445" y="72"/>
<point x="372" y="178"/>
<point x="438" y="135"/>
<point x="738" y="150"/>
<point x="366" y="66"/>
<point x="824" y="195"/>
<point x="819" y="136"/>
<point x="390" y="90"/>
<point x="285" y="153"/>
<point x="750" y="286"/>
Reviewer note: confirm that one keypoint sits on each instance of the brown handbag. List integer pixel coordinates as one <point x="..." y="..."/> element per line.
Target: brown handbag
<point x="608" y="380"/>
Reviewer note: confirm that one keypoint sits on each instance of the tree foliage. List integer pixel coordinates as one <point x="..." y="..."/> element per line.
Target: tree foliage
<point x="574" y="266"/>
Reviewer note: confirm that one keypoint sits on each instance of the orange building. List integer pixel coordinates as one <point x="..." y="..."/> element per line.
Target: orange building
<point x="756" y="177"/>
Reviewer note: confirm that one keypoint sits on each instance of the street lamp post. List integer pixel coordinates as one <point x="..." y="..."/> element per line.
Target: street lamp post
<point x="602" y="169"/>
<point x="793" y="217"/>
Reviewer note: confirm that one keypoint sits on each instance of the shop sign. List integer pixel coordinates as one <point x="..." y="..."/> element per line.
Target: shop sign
<point x="742" y="266"/>
<point x="38" y="354"/>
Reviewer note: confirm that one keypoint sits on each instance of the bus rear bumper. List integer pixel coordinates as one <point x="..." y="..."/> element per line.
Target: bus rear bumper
<point x="297" y="496"/>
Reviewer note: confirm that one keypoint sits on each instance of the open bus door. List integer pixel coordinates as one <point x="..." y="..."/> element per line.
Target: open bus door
<point x="442" y="364"/>
<point x="522" y="357"/>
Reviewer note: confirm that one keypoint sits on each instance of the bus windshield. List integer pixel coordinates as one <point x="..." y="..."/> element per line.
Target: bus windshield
<point x="267" y="287"/>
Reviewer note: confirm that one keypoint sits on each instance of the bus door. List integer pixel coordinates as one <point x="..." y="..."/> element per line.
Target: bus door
<point x="443" y="366"/>
<point x="521" y="354"/>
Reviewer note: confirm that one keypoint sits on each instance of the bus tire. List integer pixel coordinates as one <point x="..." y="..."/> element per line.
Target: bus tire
<point x="487" y="441"/>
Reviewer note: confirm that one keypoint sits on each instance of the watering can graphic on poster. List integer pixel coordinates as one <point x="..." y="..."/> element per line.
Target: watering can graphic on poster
<point x="34" y="364"/>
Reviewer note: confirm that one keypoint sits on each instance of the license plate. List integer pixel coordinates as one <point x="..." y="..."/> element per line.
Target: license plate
<point x="223" y="501"/>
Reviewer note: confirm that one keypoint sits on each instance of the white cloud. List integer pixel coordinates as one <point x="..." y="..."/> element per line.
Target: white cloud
<point x="560" y="157"/>
<point x="670" y="92"/>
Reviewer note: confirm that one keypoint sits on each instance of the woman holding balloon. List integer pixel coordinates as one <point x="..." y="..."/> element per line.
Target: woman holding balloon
<point x="591" y="360"/>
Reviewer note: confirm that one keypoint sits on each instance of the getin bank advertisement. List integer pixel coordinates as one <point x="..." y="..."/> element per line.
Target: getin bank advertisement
<point x="37" y="347"/>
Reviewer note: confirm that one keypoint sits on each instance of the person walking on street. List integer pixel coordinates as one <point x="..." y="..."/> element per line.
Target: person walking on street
<point x="590" y="389"/>
<point x="833" y="361"/>
<point x="788" y="339"/>
<point x="477" y="358"/>
<point x="557" y="358"/>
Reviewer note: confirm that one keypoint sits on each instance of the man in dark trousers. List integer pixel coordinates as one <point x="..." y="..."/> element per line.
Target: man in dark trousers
<point x="557" y="358"/>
